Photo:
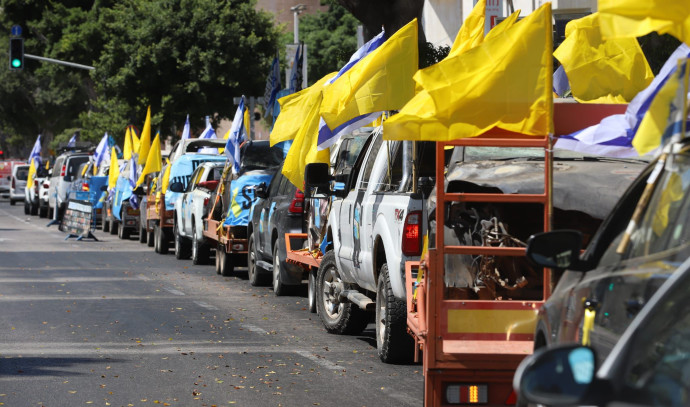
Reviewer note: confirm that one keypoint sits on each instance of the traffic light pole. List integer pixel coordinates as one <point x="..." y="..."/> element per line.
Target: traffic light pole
<point x="59" y="62"/>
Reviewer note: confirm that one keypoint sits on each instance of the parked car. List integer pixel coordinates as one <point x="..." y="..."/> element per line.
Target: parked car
<point x="125" y="213"/>
<point x="648" y="366"/>
<point x="90" y="187"/>
<point x="6" y="167"/>
<point x="32" y="200"/>
<point x="278" y="210"/>
<point x="43" y="194"/>
<point x="107" y="217"/>
<point x="65" y="170"/>
<point x="627" y="260"/>
<point x="20" y="173"/>
<point x="190" y="211"/>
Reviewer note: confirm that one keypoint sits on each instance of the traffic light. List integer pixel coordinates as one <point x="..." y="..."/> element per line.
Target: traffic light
<point x="16" y="54"/>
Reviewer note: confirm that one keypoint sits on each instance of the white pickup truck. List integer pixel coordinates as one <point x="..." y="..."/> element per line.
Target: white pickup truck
<point x="375" y="225"/>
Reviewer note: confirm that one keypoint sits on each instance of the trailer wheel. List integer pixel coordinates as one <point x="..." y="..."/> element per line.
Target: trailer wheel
<point x="33" y="209"/>
<point x="393" y="342"/>
<point x="105" y="225"/>
<point x="219" y="258"/>
<point x="311" y="291"/>
<point x="142" y="232"/>
<point x="161" y="241"/>
<point x="337" y="317"/>
<point x="257" y="275"/>
<point x="200" y="251"/>
<point x="182" y="247"/>
<point x="151" y="238"/>
<point x="227" y="266"/>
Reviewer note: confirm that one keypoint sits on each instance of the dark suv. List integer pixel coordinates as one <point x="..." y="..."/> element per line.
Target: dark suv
<point x="627" y="260"/>
<point x="279" y="211"/>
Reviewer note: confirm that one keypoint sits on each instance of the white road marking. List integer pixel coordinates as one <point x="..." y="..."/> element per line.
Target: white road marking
<point x="71" y="298"/>
<point x="205" y="305"/>
<point x="319" y="360"/>
<point x="254" y="328"/>
<point x="174" y="291"/>
<point x="66" y="280"/>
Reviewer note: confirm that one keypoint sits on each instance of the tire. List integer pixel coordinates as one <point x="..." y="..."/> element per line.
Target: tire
<point x="114" y="226"/>
<point x="257" y="275"/>
<point x="27" y="208"/>
<point x="279" y="288"/>
<point x="337" y="317"/>
<point x="162" y="242"/>
<point x="393" y="342"/>
<point x="182" y="247"/>
<point x="105" y="225"/>
<point x="51" y="213"/>
<point x="142" y="232"/>
<point x="13" y="202"/>
<point x="219" y="258"/>
<point x="150" y="238"/>
<point x="42" y="212"/>
<point x="227" y="265"/>
<point x="200" y="251"/>
<point x="156" y="231"/>
<point x="311" y="292"/>
<point x="33" y="209"/>
<point x="122" y="231"/>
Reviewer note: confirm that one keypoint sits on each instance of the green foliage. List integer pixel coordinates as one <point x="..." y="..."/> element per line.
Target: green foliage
<point x="429" y="54"/>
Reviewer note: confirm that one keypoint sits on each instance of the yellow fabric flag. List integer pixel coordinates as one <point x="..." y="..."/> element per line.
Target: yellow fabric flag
<point x="602" y="71"/>
<point x="471" y="32"/>
<point x="114" y="171"/>
<point x="145" y="141"/>
<point x="505" y="82"/>
<point x="32" y="174"/>
<point x="135" y="139"/>
<point x="503" y="25"/>
<point x="635" y="18"/>
<point x="153" y="161"/>
<point x="304" y="150"/>
<point x="128" y="147"/>
<point x="380" y="81"/>
<point x="294" y="109"/>
<point x="166" y="177"/>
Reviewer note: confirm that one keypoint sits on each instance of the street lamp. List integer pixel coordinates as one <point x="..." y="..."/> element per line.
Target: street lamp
<point x="296" y="10"/>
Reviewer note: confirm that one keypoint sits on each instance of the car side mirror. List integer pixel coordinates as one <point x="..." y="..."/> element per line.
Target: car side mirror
<point x="260" y="191"/>
<point x="177" y="187"/>
<point x="559" y="249"/>
<point x="556" y="376"/>
<point x="316" y="176"/>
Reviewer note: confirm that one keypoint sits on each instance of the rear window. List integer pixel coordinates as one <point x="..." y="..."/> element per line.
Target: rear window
<point x="258" y="156"/>
<point x="22" y="173"/>
<point x="58" y="166"/>
<point x="73" y="165"/>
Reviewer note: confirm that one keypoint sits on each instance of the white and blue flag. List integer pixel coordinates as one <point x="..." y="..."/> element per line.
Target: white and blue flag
<point x="208" y="133"/>
<point x="102" y="151"/>
<point x="73" y="141"/>
<point x="238" y="133"/>
<point x="36" y="152"/>
<point x="613" y="136"/>
<point x="273" y="86"/>
<point x="185" y="130"/>
<point x="561" y="84"/>
<point x="327" y="136"/>
<point x="133" y="177"/>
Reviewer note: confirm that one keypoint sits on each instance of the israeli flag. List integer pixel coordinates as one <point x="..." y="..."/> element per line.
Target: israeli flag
<point x="102" y="151"/>
<point x="208" y="133"/>
<point x="185" y="130"/>
<point x="561" y="84"/>
<point x="328" y="137"/>
<point x="273" y="86"/>
<point x="238" y="133"/>
<point x="73" y="141"/>
<point x="613" y="136"/>
<point x="36" y="152"/>
<point x="133" y="177"/>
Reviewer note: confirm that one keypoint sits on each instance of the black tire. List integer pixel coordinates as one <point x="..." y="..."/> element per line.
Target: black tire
<point x="393" y="342"/>
<point x="51" y="212"/>
<point x="13" y="202"/>
<point x="142" y="233"/>
<point x="311" y="291"/>
<point x="182" y="246"/>
<point x="200" y="250"/>
<point x="258" y="276"/>
<point x="122" y="231"/>
<point x="33" y="209"/>
<point x="219" y="258"/>
<point x="27" y="208"/>
<point x="114" y="226"/>
<point x="337" y="317"/>
<point x="105" y="225"/>
<point x="42" y="212"/>
<point x="227" y="264"/>
<point x="279" y="288"/>
<point x="162" y="242"/>
<point x="156" y="239"/>
<point x="150" y="239"/>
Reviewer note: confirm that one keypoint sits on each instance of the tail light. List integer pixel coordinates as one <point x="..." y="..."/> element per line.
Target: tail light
<point x="461" y="393"/>
<point x="412" y="236"/>
<point x="36" y="183"/>
<point x="206" y="201"/>
<point x="63" y="171"/>
<point x="14" y="183"/>
<point x="46" y="185"/>
<point x="297" y="202"/>
<point x="85" y="187"/>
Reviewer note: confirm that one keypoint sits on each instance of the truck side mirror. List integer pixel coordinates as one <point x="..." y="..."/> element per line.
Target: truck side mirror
<point x="559" y="249"/>
<point x="316" y="176"/>
<point x="260" y="191"/>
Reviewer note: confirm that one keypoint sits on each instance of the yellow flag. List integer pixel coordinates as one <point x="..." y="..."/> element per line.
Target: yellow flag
<point x="153" y="161"/>
<point x="166" y="177"/>
<point x="135" y="139"/>
<point x="294" y="109"/>
<point x="304" y="150"/>
<point x="635" y="18"/>
<point x="114" y="171"/>
<point x="505" y="82"/>
<point x="32" y="174"/>
<point x="380" y="81"/>
<point x="602" y="71"/>
<point x="471" y="33"/>
<point x="128" y="147"/>
<point x="145" y="141"/>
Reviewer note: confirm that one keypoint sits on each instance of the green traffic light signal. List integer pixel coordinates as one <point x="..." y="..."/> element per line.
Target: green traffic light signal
<point x="16" y="53"/>
<point x="16" y="63"/>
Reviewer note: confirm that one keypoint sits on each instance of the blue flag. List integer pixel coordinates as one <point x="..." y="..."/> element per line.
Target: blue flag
<point x="273" y="85"/>
<point x="238" y="133"/>
<point x="185" y="130"/>
<point x="242" y="193"/>
<point x="328" y="137"/>
<point x="102" y="151"/>
<point x="296" y="72"/>
<point x="133" y="177"/>
<point x="560" y="82"/>
<point x="72" y="141"/>
<point x="36" y="152"/>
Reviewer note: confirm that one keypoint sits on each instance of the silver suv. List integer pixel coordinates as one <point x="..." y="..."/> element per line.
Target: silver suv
<point x="65" y="171"/>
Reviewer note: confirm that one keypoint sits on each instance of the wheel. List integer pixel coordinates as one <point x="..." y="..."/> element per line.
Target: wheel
<point x="279" y="288"/>
<point x="42" y="212"/>
<point x="150" y="239"/>
<point x="227" y="265"/>
<point x="200" y="250"/>
<point x="27" y="209"/>
<point x="142" y="232"/>
<point x="337" y="317"/>
<point x="114" y="226"/>
<point x="311" y="291"/>
<point x="156" y="239"/>
<point x="161" y="241"/>
<point x="393" y="342"/>
<point x="105" y="225"/>
<point x="219" y="258"/>
<point x="12" y="202"/>
<point x="122" y="231"/>
<point x="182" y="246"/>
<point x="51" y="213"/>
<point x="257" y="275"/>
<point x="33" y="209"/>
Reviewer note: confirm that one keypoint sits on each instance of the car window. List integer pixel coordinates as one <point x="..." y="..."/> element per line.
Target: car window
<point x="22" y="173"/>
<point x="349" y="151"/>
<point x="194" y="179"/>
<point x="73" y="166"/>
<point x="391" y="179"/>
<point x="659" y="368"/>
<point x="370" y="159"/>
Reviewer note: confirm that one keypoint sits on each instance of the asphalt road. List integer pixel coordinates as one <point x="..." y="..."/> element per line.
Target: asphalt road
<point x="111" y="323"/>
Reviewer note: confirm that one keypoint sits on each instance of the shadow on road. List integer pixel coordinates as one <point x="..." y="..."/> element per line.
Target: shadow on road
<point x="47" y="366"/>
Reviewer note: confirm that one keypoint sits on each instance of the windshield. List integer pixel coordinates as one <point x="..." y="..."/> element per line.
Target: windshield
<point x="259" y="155"/>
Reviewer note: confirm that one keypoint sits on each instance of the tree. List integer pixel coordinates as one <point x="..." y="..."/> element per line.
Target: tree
<point x="391" y="14"/>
